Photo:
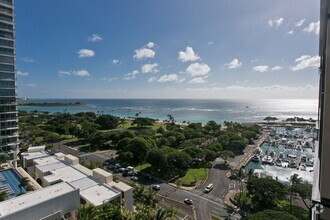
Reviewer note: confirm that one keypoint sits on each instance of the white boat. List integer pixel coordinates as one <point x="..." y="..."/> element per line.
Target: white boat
<point x="255" y="158"/>
<point x="278" y="162"/>
<point x="292" y="156"/>
<point x="258" y="152"/>
<point x="267" y="160"/>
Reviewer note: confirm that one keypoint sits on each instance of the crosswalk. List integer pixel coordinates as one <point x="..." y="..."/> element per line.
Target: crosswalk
<point x="208" y="196"/>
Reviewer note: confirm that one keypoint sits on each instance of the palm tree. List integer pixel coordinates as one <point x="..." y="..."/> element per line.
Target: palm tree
<point x="23" y="184"/>
<point x="294" y="179"/>
<point x="3" y="196"/>
<point x="86" y="212"/>
<point x="239" y="175"/>
<point x="164" y="214"/>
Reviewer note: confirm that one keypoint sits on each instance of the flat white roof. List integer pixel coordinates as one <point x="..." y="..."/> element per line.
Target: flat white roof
<point x="46" y="160"/>
<point x="30" y="199"/>
<point x="102" y="172"/>
<point x="83" y="169"/>
<point x="120" y="186"/>
<point x="99" y="194"/>
<point x="71" y="157"/>
<point x="34" y="155"/>
<point x="67" y="174"/>
<point x="36" y="148"/>
<point x="51" y="167"/>
<point x="83" y="183"/>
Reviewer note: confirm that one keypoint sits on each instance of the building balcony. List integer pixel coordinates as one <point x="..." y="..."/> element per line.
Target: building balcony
<point x="8" y="103"/>
<point x="13" y="135"/>
<point x="9" y="112"/>
<point x="9" y="119"/>
<point x="7" y="128"/>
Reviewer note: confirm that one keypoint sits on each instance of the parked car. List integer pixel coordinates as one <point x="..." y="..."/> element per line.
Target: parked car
<point x="156" y="187"/>
<point x="122" y="169"/>
<point x="188" y="201"/>
<point x="134" y="178"/>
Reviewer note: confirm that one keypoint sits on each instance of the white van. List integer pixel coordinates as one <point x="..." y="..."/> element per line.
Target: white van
<point x="209" y="188"/>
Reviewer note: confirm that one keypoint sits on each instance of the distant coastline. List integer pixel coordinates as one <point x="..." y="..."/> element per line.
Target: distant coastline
<point x="50" y="104"/>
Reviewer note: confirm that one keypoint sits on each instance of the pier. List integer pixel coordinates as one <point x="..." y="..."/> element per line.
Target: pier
<point x="249" y="153"/>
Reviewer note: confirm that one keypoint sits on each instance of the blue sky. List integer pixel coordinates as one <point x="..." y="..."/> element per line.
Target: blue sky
<point x="167" y="49"/>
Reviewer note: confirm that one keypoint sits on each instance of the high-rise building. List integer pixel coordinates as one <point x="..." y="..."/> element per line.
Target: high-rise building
<point x="321" y="184"/>
<point x="8" y="104"/>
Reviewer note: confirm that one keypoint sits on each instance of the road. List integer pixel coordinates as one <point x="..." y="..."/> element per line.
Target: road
<point x="203" y="204"/>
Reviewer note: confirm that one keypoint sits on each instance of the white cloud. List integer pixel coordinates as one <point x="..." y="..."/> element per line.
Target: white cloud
<point x="20" y="73"/>
<point x="290" y="32"/>
<point x="276" y="22"/>
<point x="313" y="27"/>
<point x="306" y="61"/>
<point x="80" y="73"/>
<point x="234" y="64"/>
<point x="150" y="45"/>
<point x="261" y="68"/>
<point x="188" y="55"/>
<point x="254" y="60"/>
<point x="145" y="52"/>
<point x="270" y="88"/>
<point x="115" y="61"/>
<point x="131" y="75"/>
<point x="151" y="79"/>
<point x="108" y="79"/>
<point x="275" y="68"/>
<point x="300" y="23"/>
<point x="198" y="69"/>
<point x="28" y="60"/>
<point x="170" y="78"/>
<point x="198" y="80"/>
<point x="210" y="43"/>
<point x="95" y="38"/>
<point x="149" y="68"/>
<point x="85" y="53"/>
<point x="32" y="85"/>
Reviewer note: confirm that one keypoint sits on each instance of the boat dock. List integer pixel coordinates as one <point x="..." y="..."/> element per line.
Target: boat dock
<point x="250" y="152"/>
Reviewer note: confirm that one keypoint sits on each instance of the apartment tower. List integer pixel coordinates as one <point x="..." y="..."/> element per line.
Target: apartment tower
<point x="8" y="104"/>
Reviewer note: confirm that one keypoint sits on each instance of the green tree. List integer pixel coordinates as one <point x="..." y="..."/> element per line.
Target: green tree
<point x="210" y="155"/>
<point x="3" y="196"/>
<point x="107" y="122"/>
<point x="194" y="152"/>
<point x="265" y="192"/>
<point x="269" y="118"/>
<point x="294" y="180"/>
<point x="271" y="215"/>
<point x="304" y="190"/>
<point x="139" y="146"/>
<point x="143" y="122"/>
<point x="179" y="159"/>
<point x="157" y="158"/>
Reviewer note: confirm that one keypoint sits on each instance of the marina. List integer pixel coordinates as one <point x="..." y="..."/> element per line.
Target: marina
<point x="287" y="150"/>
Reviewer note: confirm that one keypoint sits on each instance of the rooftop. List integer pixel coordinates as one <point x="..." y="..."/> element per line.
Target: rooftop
<point x="99" y="194"/>
<point x="39" y="196"/>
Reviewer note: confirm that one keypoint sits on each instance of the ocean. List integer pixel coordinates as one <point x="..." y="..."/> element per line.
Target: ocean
<point x="192" y="110"/>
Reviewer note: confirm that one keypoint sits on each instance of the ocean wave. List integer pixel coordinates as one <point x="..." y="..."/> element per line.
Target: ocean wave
<point x="196" y="109"/>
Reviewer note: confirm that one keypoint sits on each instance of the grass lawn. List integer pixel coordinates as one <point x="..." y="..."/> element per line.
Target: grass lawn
<point x="125" y="125"/>
<point x="194" y="174"/>
<point x="142" y="166"/>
